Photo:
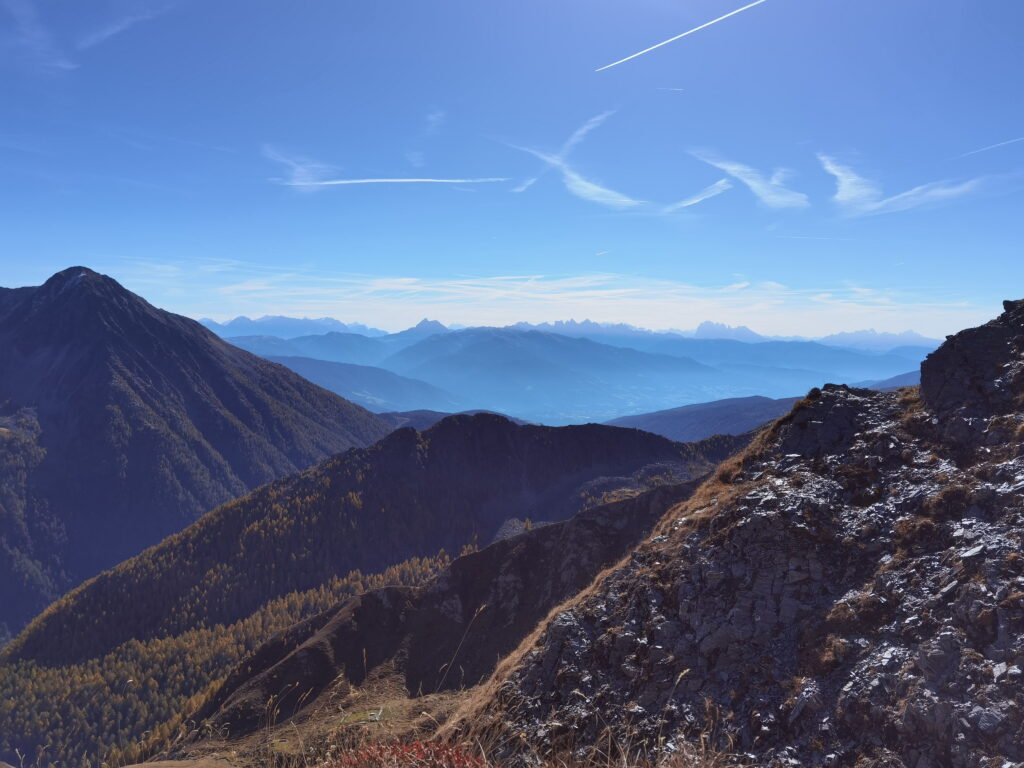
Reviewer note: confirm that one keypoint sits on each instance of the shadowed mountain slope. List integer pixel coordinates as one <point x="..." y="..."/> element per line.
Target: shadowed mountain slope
<point x="733" y="416"/>
<point x="410" y="494"/>
<point x="340" y="347"/>
<point x="334" y="347"/>
<point x="144" y="420"/>
<point x="373" y="388"/>
<point x="909" y="379"/>
<point x="443" y="636"/>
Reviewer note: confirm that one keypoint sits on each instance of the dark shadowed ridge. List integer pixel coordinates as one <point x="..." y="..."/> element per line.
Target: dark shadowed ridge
<point x="147" y="420"/>
<point x="733" y="416"/>
<point x="409" y="495"/>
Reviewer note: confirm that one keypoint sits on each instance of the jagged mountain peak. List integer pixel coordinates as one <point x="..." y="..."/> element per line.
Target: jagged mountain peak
<point x="712" y="330"/>
<point x="80" y="309"/>
<point x="76" y="284"/>
<point x="146" y="420"/>
<point x="427" y="324"/>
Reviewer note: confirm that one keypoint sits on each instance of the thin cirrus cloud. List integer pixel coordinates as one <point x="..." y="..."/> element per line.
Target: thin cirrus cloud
<point x="342" y="182"/>
<point x="579" y="186"/>
<point x="720" y="186"/>
<point x="857" y="196"/>
<point x="577" y="136"/>
<point x="679" y="37"/>
<point x="41" y="47"/>
<point x="434" y="121"/>
<point x="33" y="39"/>
<point x="591" y="191"/>
<point x="308" y="174"/>
<point x="120" y="25"/>
<point x="771" y="191"/>
<point x="223" y="289"/>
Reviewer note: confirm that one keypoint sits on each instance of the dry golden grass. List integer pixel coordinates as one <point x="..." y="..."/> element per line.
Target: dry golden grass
<point x="948" y="503"/>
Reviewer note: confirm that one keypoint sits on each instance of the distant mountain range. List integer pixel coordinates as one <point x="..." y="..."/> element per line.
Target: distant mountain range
<point x="576" y="372"/>
<point x="286" y="327"/>
<point x="121" y="423"/>
<point x="291" y="328"/>
<point x="868" y="341"/>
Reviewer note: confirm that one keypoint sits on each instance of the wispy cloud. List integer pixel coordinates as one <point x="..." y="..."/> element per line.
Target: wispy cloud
<point x="42" y="48"/>
<point x="526" y="184"/>
<point x="579" y="186"/>
<point x="34" y="38"/>
<point x="678" y="37"/>
<point x="342" y="182"/>
<point x="720" y="186"/>
<point x="302" y="172"/>
<point x="770" y="191"/>
<point x="434" y="121"/>
<point x="814" y="237"/>
<point x="227" y="288"/>
<point x="309" y="174"/>
<point x="593" y="192"/>
<point x="581" y="133"/>
<point x="858" y="196"/>
<point x="572" y="180"/>
<point x="992" y="146"/>
<point x="119" y="25"/>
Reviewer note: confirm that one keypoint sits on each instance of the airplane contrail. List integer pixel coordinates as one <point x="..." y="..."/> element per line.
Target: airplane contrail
<point x="677" y="37"/>
<point x="991" y="146"/>
<point x="337" y="182"/>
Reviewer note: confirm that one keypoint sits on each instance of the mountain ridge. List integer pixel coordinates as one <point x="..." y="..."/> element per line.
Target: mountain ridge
<point x="146" y="420"/>
<point x="465" y="475"/>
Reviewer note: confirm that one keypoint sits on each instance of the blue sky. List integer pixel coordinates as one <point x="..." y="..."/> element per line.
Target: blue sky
<point x="802" y="167"/>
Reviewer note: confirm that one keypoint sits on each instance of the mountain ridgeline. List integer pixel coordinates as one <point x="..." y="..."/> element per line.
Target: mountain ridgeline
<point x="411" y="494"/>
<point x="733" y="416"/>
<point x="121" y="423"/>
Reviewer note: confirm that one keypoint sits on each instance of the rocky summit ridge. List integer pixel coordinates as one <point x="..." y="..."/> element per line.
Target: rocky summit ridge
<point x="849" y="591"/>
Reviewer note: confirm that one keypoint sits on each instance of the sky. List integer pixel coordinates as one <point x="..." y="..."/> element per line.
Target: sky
<point x="798" y="166"/>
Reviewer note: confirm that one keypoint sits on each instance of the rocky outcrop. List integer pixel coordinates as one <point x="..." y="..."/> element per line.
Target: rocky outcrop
<point x="850" y="589"/>
<point x="979" y="372"/>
